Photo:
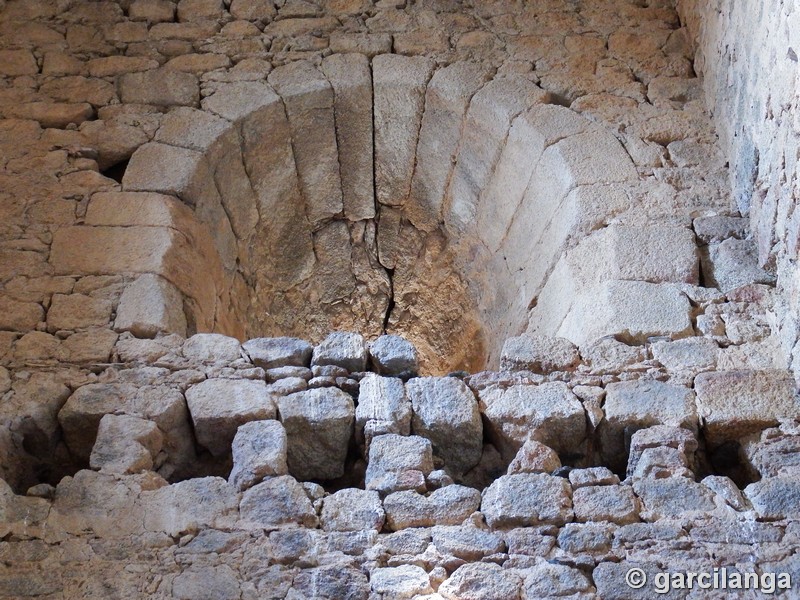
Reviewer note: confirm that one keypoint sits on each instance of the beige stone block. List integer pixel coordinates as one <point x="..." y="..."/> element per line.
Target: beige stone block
<point x="488" y="119"/>
<point x="399" y="90"/>
<point x="149" y="306"/>
<point x="19" y="316"/>
<point x="154" y="11"/>
<point x="734" y="404"/>
<point x="160" y="87"/>
<point x="447" y="97"/>
<point x="77" y="311"/>
<point x="111" y="66"/>
<point x="351" y="79"/>
<point x="51" y="114"/>
<point x="308" y="97"/>
<point x="238" y="100"/>
<point x="17" y="62"/>
<point x="191" y="128"/>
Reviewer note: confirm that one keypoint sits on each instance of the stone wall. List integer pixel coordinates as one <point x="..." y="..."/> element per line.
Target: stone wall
<point x="747" y="54"/>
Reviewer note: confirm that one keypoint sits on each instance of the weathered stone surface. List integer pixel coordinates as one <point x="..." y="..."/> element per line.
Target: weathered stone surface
<point x="149" y="306"/>
<point x="19" y="316"/>
<point x="160" y="87"/>
<point x="346" y="350"/>
<point x="449" y="505"/>
<point x="211" y="348"/>
<point x="689" y="354"/>
<point x="189" y="506"/>
<point x="466" y="542"/>
<point x="52" y="114"/>
<point x="351" y="79"/>
<point x="394" y="460"/>
<point x="125" y="444"/>
<point x="403" y="582"/>
<point x="399" y="95"/>
<point x="672" y="497"/>
<point x="613" y="503"/>
<point x="332" y="582"/>
<point x="219" y="406"/>
<point x="209" y="582"/>
<point x="534" y="457"/>
<point x="775" y="498"/>
<point x="538" y="354"/>
<point x="481" y="581"/>
<point x="662" y="451"/>
<point x="154" y="11"/>
<point x="446" y="412"/>
<point x="383" y="407"/>
<point x="276" y="502"/>
<point x="615" y="309"/>
<point x="593" y="476"/>
<point x="632" y="405"/>
<point x="734" y="263"/>
<point x="259" y="451"/>
<point x="546" y="578"/>
<point x="271" y="353"/>
<point x="77" y="311"/>
<point x="548" y="413"/>
<point x="527" y="499"/>
<point x="318" y="425"/>
<point x="352" y="510"/>
<point x="393" y="355"/>
<point x="734" y="404"/>
<point x="309" y="101"/>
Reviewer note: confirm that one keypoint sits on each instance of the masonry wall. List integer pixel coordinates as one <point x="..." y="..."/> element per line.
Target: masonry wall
<point x="747" y="55"/>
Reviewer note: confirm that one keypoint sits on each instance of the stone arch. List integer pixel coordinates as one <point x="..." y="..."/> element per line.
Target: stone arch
<point x="385" y="196"/>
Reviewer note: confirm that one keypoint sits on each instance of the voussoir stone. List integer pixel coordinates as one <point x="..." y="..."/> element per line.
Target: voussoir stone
<point x="527" y="499"/>
<point x="549" y="413"/>
<point x="352" y="510"/>
<point x="259" y="451"/>
<point x="446" y="412"/>
<point x="219" y="406"/>
<point x="538" y="354"/>
<point x="272" y="353"/>
<point x="318" y="425"/>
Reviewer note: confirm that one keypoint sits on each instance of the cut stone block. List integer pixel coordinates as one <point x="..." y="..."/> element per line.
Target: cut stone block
<point x="734" y="404"/>
<point x="259" y="451"/>
<point x="617" y="308"/>
<point x="352" y="510"/>
<point x="219" y="406"/>
<point x="392" y="457"/>
<point x="399" y="95"/>
<point x="612" y="503"/>
<point x="688" y="354"/>
<point x="341" y="349"/>
<point x="149" y="306"/>
<point x="775" y="498"/>
<point x="160" y="87"/>
<point x="481" y="581"/>
<point x="393" y="355"/>
<point x="212" y="348"/>
<point x="318" y="425"/>
<point x="402" y="582"/>
<point x="351" y="79"/>
<point x="187" y="506"/>
<point x="449" y="505"/>
<point x="271" y="353"/>
<point x="19" y="316"/>
<point x="633" y="405"/>
<point x="538" y="354"/>
<point x="732" y="264"/>
<point x="308" y="98"/>
<point x="549" y="413"/>
<point x="276" y="502"/>
<point x="446" y="412"/>
<point x="674" y="497"/>
<point x="676" y="445"/>
<point x="78" y="311"/>
<point x="382" y="408"/>
<point x="125" y="444"/>
<point x="534" y="457"/>
<point x="546" y="578"/>
<point x="527" y="499"/>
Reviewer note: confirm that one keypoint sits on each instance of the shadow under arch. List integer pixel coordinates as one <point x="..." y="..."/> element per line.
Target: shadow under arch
<point x="383" y="196"/>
